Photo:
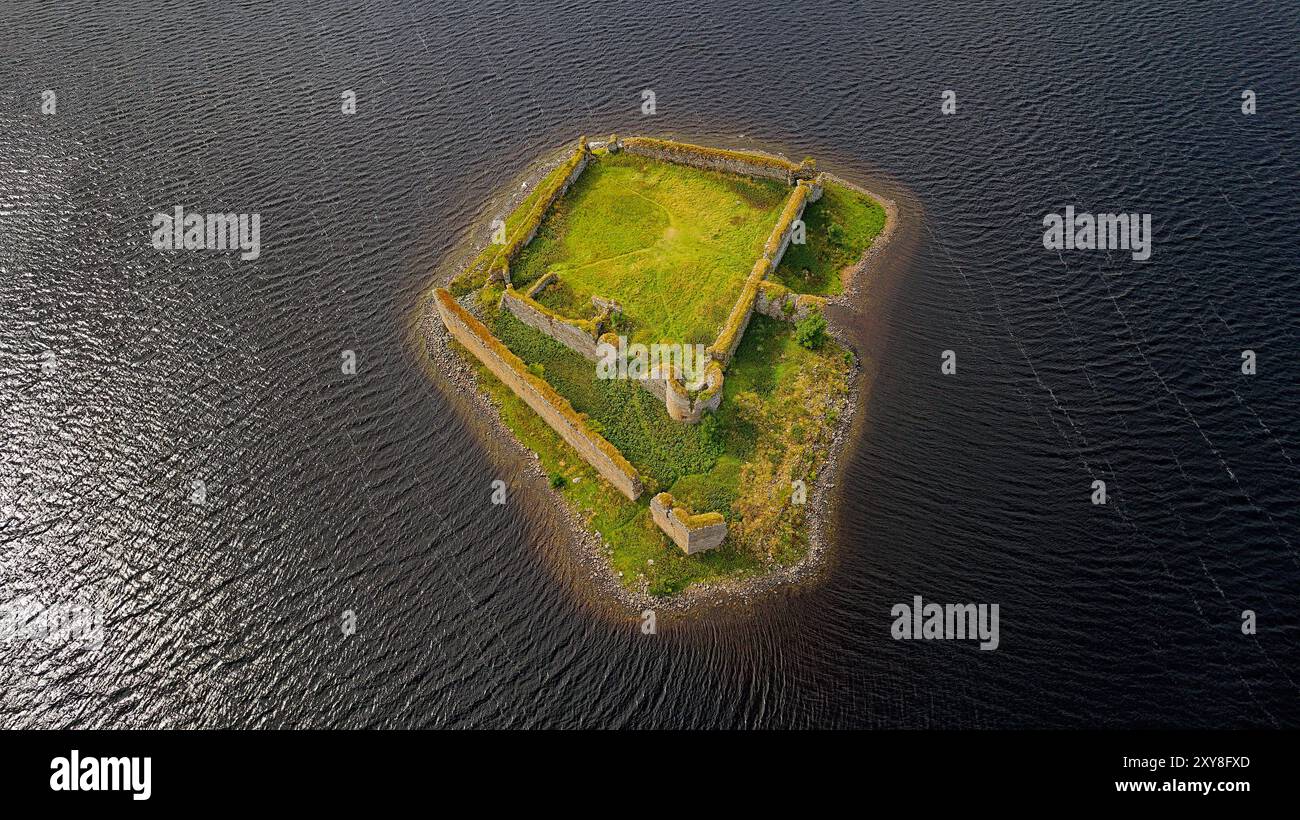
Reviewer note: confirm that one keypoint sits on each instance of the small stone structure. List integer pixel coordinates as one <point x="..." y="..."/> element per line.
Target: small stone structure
<point x="779" y="302"/>
<point x="693" y="533"/>
<point x="682" y="406"/>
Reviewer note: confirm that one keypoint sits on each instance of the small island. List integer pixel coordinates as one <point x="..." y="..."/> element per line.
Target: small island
<point x="649" y="320"/>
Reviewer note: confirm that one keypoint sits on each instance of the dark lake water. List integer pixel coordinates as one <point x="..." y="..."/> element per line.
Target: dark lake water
<point x="127" y="374"/>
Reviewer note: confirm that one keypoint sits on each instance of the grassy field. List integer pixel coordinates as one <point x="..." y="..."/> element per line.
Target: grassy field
<point x="672" y="244"/>
<point x="778" y="411"/>
<point x="841" y="226"/>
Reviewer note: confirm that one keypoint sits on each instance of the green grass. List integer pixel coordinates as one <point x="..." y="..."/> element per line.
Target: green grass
<point x="857" y="220"/>
<point x="714" y="491"/>
<point x="672" y="244"/>
<point x="780" y="405"/>
<point x="560" y="297"/>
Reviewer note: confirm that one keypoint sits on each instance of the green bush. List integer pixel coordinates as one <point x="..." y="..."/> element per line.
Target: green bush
<point x="709" y="430"/>
<point x="835" y="233"/>
<point x="810" y="331"/>
<point x="558" y="480"/>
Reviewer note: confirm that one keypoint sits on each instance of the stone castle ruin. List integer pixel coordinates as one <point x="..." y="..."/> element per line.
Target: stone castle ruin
<point x="693" y="533"/>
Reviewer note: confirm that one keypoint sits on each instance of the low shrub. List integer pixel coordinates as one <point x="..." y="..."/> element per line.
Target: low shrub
<point x="709" y="429"/>
<point x="835" y="233"/>
<point x="810" y="331"/>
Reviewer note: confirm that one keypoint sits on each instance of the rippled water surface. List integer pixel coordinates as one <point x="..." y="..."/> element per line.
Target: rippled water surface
<point x="126" y="374"/>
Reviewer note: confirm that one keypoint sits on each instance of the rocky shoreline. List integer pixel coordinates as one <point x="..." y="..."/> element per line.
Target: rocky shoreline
<point x="590" y="551"/>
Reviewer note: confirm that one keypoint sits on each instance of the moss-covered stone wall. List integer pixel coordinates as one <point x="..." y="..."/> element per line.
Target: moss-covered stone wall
<point x="554" y="409"/>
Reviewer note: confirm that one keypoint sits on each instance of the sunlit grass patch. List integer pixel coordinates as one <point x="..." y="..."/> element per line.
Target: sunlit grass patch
<point x="671" y="244"/>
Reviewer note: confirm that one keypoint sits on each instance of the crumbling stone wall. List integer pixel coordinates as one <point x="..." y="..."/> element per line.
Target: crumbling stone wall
<point x="554" y="409"/>
<point x="779" y="302"/>
<point x="500" y="269"/>
<point x="541" y="284"/>
<point x="795" y="204"/>
<point x="724" y="347"/>
<point x="572" y="333"/>
<point x="726" y="161"/>
<point x="581" y="336"/>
